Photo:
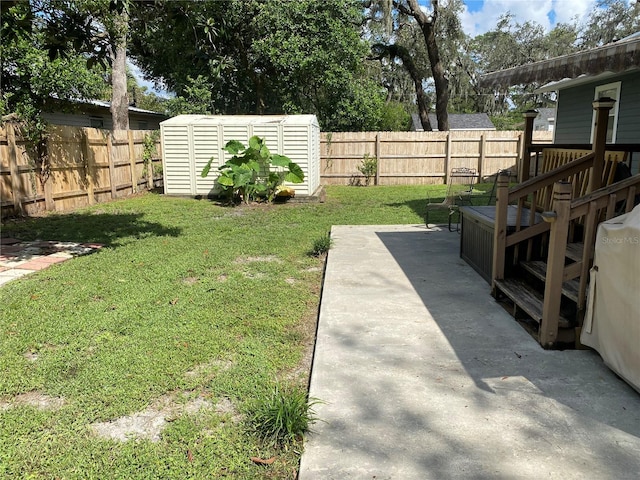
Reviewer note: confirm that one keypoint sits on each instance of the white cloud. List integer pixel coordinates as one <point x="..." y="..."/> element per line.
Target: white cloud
<point x="539" y="11"/>
<point x="569" y="10"/>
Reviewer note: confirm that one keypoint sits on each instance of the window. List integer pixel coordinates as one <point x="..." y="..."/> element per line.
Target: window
<point x="96" y="122"/>
<point x="611" y="90"/>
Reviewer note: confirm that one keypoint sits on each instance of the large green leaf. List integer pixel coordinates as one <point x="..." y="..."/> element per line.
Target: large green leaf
<point x="234" y="146"/>
<point x="225" y="180"/>
<point x="295" y="175"/>
<point x="280" y="160"/>
<point x="239" y="159"/>
<point x="256" y="143"/>
<point x="243" y="178"/>
<point x="207" y="168"/>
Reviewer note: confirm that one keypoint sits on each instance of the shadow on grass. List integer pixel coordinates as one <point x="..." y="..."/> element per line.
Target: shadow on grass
<point x="110" y="229"/>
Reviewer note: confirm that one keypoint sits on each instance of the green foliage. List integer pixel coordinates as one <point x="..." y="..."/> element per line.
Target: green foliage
<point x="321" y="245"/>
<point x="33" y="83"/>
<point x="283" y="415"/>
<point x="267" y="57"/>
<point x="248" y="175"/>
<point x="195" y="98"/>
<point x="157" y="170"/>
<point x="511" y="120"/>
<point x="394" y="117"/>
<point x="368" y="167"/>
<point x="149" y="146"/>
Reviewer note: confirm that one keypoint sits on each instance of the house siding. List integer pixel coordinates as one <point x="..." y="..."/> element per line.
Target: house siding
<point x="84" y="117"/>
<point x="628" y="118"/>
<point x="575" y="112"/>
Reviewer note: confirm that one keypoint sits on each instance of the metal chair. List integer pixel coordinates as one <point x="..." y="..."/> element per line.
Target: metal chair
<point x="459" y="189"/>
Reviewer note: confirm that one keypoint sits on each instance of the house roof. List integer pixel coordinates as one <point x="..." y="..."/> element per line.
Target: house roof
<point x="614" y="57"/>
<point x="546" y="113"/>
<point x="104" y="104"/>
<point x="457" y="121"/>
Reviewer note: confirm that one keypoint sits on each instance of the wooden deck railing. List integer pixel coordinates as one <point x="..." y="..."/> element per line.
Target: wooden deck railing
<point x="602" y="204"/>
<point x="529" y="197"/>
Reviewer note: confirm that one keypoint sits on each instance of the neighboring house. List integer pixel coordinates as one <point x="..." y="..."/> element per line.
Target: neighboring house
<point x="97" y="114"/>
<point x="457" y="121"/>
<point x="612" y="70"/>
<point x="545" y="121"/>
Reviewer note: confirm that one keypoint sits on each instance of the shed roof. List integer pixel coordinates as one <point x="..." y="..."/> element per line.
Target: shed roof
<point x="614" y="57"/>
<point x="457" y="121"/>
<point x="241" y="119"/>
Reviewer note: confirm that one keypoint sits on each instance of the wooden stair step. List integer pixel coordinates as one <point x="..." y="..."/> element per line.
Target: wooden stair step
<point x="538" y="269"/>
<point x="574" y="251"/>
<point x="527" y="298"/>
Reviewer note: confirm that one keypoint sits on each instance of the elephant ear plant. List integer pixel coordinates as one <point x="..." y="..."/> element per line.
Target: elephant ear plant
<point x="249" y="175"/>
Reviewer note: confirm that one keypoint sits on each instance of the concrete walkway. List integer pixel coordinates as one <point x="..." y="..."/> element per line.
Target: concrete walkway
<point x="426" y="377"/>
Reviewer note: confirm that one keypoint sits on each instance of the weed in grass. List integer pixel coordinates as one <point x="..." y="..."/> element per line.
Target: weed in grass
<point x="283" y="415"/>
<point x="321" y="245"/>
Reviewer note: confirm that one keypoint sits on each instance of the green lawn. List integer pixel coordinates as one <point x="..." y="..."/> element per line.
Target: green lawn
<point x="187" y="302"/>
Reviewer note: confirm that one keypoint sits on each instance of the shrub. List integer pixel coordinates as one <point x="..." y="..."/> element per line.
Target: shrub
<point x="282" y="416"/>
<point x="321" y="245"/>
<point x="368" y="167"/>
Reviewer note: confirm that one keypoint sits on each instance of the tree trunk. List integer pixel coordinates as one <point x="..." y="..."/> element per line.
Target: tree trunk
<point x="421" y="99"/>
<point x="427" y="25"/>
<point x="119" y="94"/>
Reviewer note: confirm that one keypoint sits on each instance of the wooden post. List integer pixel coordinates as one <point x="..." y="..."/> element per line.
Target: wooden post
<point x="89" y="167"/>
<point x="481" y="156"/>
<point x="447" y="158"/>
<point x="500" y="230"/>
<point x="602" y="107"/>
<point x="555" y="264"/>
<point x="525" y="166"/>
<point x="49" y="202"/>
<point x="14" y="171"/>
<point x="132" y="163"/>
<point x="112" y="167"/>
<point x="378" y="159"/>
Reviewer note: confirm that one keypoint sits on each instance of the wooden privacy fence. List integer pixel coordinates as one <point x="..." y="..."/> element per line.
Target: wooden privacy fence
<point x="414" y="158"/>
<point x="87" y="166"/>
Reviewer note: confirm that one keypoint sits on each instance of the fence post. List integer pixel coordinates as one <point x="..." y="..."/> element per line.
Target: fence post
<point x="149" y="166"/>
<point x="602" y="107"/>
<point x="555" y="263"/>
<point x="49" y="202"/>
<point x="89" y="167"/>
<point x="500" y="229"/>
<point x="112" y="167"/>
<point x="132" y="163"/>
<point x="481" y="157"/>
<point x="14" y="170"/>
<point x="447" y="157"/>
<point x="378" y="159"/>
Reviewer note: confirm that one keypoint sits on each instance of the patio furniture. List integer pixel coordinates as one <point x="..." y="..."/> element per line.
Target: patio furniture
<point x="459" y="189"/>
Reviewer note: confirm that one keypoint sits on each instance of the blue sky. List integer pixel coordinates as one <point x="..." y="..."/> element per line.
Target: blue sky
<point x="482" y="15"/>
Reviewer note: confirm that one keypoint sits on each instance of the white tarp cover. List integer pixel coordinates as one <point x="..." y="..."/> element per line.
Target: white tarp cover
<point x="612" y="322"/>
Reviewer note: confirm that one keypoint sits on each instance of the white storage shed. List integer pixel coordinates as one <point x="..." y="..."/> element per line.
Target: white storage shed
<point x="189" y="141"/>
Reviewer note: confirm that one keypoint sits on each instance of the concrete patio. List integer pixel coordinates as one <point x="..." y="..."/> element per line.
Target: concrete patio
<point x="426" y="377"/>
